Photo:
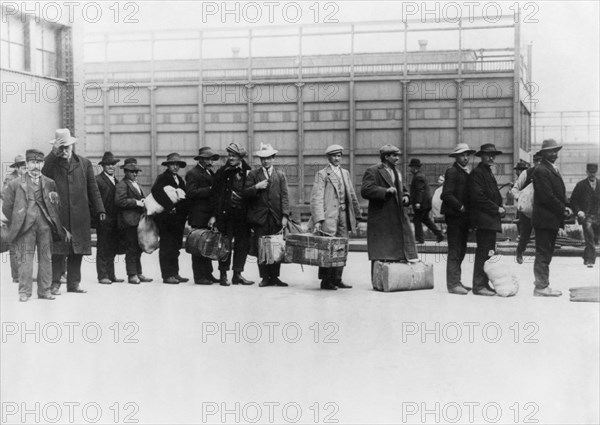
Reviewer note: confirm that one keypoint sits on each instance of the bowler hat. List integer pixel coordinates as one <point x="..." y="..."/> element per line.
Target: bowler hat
<point x="591" y="168"/>
<point x="130" y="165"/>
<point x="415" y="162"/>
<point x="550" y="145"/>
<point x="333" y="149"/>
<point x="19" y="160"/>
<point x="62" y="137"/>
<point x="34" y="155"/>
<point x="174" y="158"/>
<point x="462" y="148"/>
<point x="108" y="159"/>
<point x="388" y="149"/>
<point x="488" y="148"/>
<point x="236" y="149"/>
<point x="521" y="165"/>
<point x="265" y="151"/>
<point x="206" y="152"/>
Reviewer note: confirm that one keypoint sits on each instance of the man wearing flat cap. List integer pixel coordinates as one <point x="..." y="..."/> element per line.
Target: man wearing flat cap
<point x="389" y="235"/>
<point x="31" y="205"/>
<point x="486" y="215"/>
<point x="268" y="207"/>
<point x="550" y="209"/>
<point x="420" y="196"/>
<point x="199" y="184"/>
<point x="334" y="208"/>
<point x="19" y="167"/>
<point x="108" y="234"/>
<point x="585" y="202"/>
<point x="170" y="222"/>
<point x="229" y="212"/>
<point x="79" y="198"/>
<point x="455" y="204"/>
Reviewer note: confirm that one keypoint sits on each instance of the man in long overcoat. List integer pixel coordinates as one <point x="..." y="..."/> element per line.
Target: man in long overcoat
<point x="550" y="209"/>
<point x="199" y="181"/>
<point x="585" y="202"/>
<point x="486" y="213"/>
<point x="268" y="207"/>
<point x="389" y="235"/>
<point x="78" y="192"/>
<point x="420" y="197"/>
<point x="334" y="209"/>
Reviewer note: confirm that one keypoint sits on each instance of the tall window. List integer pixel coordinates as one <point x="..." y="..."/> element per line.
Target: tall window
<point x="46" y="55"/>
<point x="12" y="43"/>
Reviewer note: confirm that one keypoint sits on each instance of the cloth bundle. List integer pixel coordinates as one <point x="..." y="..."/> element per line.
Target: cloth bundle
<point x="271" y="249"/>
<point x="505" y="284"/>
<point x="153" y="207"/>
<point x="525" y="202"/>
<point x="147" y="232"/>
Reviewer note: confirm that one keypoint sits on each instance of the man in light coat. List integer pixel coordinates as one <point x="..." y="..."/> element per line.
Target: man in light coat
<point x="334" y="208"/>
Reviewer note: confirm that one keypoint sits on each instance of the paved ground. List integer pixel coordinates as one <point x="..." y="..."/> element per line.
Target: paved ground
<point x="361" y="357"/>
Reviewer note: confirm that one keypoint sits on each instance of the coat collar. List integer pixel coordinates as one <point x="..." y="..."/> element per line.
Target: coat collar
<point x="107" y="180"/>
<point x="132" y="187"/>
<point x="385" y="174"/>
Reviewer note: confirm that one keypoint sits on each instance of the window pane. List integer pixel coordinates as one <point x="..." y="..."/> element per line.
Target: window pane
<point x="39" y="66"/>
<point x="50" y="64"/>
<point x="4" y="29"/>
<point x="17" y="57"/>
<point x="4" y="54"/>
<point x="15" y="30"/>
<point x="49" y="39"/>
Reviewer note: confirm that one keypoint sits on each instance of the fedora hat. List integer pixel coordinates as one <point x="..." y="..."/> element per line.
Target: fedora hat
<point x="331" y="149"/>
<point x="19" y="160"/>
<point x="591" y="168"/>
<point x="415" y="162"/>
<point x="108" y="159"/>
<point x="62" y="137"/>
<point x="265" y="151"/>
<point x="34" y="155"/>
<point x="237" y="149"/>
<point x="388" y="149"/>
<point x="174" y="158"/>
<point x="130" y="165"/>
<point x="550" y="145"/>
<point x="488" y="148"/>
<point x="462" y="148"/>
<point x="206" y="152"/>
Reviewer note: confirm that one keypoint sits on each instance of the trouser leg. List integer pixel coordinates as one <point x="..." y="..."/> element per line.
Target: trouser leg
<point x="457" y="233"/>
<point x="545" y="240"/>
<point x="486" y="242"/>
<point x="525" y="227"/>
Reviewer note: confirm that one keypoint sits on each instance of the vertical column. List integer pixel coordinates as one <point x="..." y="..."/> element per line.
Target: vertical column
<point x="352" y="109"/>
<point x="300" y="107"/>
<point x="201" y="128"/>
<point x="517" y="88"/>
<point x="405" y="132"/>
<point x="250" y="108"/>
<point x="153" y="133"/>
<point x="459" y="110"/>
<point x="106" y="108"/>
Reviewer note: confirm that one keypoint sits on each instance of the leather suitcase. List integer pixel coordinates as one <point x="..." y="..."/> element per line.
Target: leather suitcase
<point x="207" y="243"/>
<point x="313" y="250"/>
<point x="395" y="276"/>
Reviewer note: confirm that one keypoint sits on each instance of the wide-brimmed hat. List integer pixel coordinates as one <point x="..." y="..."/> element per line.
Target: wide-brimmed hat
<point x="174" y="158"/>
<point x="62" y="137"/>
<point x="206" y="153"/>
<point x="488" y="148"/>
<point x="34" y="155"/>
<point x="462" y="148"/>
<point x="332" y="149"/>
<point x="591" y="168"/>
<point x="521" y="165"/>
<point x="415" y="162"/>
<point x="550" y="145"/>
<point x="265" y="151"/>
<point x="237" y="149"/>
<point x="130" y="165"/>
<point x="108" y="159"/>
<point x="19" y="160"/>
<point x="388" y="149"/>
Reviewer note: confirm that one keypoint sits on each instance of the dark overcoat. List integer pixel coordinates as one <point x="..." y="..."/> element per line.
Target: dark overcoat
<point x="485" y="199"/>
<point x="78" y="193"/>
<point x="389" y="234"/>
<point x="455" y="193"/>
<point x="549" y="198"/>
<point x="586" y="199"/>
<point x="274" y="199"/>
<point x="180" y="208"/>
<point x="221" y="192"/>
<point x="199" y="183"/>
<point x="420" y="193"/>
<point x="107" y="193"/>
<point x="125" y="197"/>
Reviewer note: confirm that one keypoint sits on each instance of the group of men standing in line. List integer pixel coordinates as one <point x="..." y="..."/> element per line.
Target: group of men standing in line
<point x="53" y="200"/>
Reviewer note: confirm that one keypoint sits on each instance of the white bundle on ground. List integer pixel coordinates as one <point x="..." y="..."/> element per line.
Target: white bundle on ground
<point x="505" y="284"/>
<point x="153" y="207"/>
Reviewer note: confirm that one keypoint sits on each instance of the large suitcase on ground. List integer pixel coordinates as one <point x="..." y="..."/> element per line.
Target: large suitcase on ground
<point x="313" y="250"/>
<point x="208" y="243"/>
<point x="395" y="276"/>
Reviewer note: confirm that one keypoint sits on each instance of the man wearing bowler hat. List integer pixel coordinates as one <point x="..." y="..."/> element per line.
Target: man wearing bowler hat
<point x="550" y="209"/>
<point x="486" y="214"/>
<point x="170" y="222"/>
<point x="108" y="235"/>
<point x="455" y="204"/>
<point x="78" y="193"/>
<point x="19" y="167"/>
<point x="420" y="198"/>
<point x="229" y="212"/>
<point x="334" y="209"/>
<point x="199" y="182"/>
<point x="585" y="202"/>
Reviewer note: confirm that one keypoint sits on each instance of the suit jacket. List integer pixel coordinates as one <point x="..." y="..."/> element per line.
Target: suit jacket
<point x="163" y="180"/>
<point x="15" y="207"/>
<point x="585" y="199"/>
<point x="485" y="199"/>
<point x="222" y="189"/>
<point x="420" y="192"/>
<point x="125" y="196"/>
<point x="549" y="197"/>
<point x="199" y="183"/>
<point x="79" y="199"/>
<point x="325" y="200"/>
<point x="389" y="234"/>
<point x="274" y="199"/>
<point x="107" y="193"/>
<point x="455" y="193"/>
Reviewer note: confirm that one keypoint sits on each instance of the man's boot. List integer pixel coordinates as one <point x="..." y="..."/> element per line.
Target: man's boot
<point x="238" y="278"/>
<point x="223" y="279"/>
